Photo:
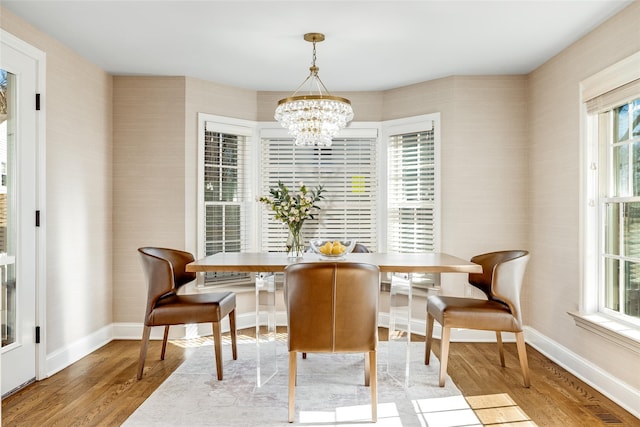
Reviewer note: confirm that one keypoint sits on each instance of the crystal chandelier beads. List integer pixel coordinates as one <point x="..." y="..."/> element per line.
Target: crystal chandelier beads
<point x="314" y="119"/>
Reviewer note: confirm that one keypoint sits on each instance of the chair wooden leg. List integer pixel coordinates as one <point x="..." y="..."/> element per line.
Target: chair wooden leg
<point x="217" y="343"/>
<point x="292" y="384"/>
<point x="367" y="371"/>
<point x="522" y="355"/>
<point x="232" y="330"/>
<point x="500" y="348"/>
<point x="164" y="342"/>
<point x="428" y="339"/>
<point x="144" y="344"/>
<point x="374" y="385"/>
<point x="444" y="353"/>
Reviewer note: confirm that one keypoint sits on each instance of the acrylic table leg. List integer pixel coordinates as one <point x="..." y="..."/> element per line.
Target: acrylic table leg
<point x="265" y="327"/>
<point x="399" y="356"/>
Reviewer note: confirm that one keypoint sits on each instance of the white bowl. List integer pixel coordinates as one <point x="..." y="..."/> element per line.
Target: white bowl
<point x="348" y="244"/>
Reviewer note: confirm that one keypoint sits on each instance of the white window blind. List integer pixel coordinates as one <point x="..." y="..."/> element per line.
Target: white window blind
<point x="225" y="195"/>
<point x="614" y="98"/>
<point x="411" y="212"/>
<point x="347" y="171"/>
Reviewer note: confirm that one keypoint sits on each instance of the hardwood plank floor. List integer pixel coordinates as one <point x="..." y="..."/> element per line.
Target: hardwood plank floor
<point x="101" y="389"/>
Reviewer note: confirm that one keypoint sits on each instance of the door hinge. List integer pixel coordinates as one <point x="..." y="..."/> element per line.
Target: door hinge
<point x="37" y="334"/>
<point x="37" y="102"/>
<point x="37" y="218"/>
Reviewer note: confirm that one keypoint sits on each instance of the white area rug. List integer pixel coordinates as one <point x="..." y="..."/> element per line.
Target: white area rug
<point x="330" y="392"/>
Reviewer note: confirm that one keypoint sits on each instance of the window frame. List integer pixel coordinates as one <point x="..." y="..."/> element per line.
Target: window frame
<point x="411" y="125"/>
<point x="403" y="126"/>
<point x="592" y="315"/>
<point x="225" y="125"/>
<point x="359" y="130"/>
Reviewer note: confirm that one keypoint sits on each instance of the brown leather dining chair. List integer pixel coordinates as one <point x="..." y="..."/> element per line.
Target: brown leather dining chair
<point x="501" y="281"/>
<point x="165" y="272"/>
<point x="332" y="307"/>
<point x="360" y="248"/>
<point x="357" y="248"/>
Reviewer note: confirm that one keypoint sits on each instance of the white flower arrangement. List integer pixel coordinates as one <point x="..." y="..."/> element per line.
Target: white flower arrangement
<point x="293" y="208"/>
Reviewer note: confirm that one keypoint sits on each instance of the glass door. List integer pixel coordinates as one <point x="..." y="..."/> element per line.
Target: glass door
<point x="18" y="142"/>
<point x="7" y="215"/>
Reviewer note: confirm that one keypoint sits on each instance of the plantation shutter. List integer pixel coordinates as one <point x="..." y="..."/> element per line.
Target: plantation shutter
<point x="347" y="171"/>
<point x="412" y="192"/>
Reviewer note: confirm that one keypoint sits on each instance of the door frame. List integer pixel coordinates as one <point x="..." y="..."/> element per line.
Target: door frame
<point x="39" y="58"/>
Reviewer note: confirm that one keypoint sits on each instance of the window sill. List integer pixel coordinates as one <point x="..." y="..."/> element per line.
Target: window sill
<point x="614" y="330"/>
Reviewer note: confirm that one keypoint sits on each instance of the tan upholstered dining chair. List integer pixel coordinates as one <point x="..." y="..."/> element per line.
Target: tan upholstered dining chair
<point x="332" y="307"/>
<point x="165" y="272"/>
<point x="501" y="282"/>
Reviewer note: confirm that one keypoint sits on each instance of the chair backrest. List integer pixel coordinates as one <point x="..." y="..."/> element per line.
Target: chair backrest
<point x="502" y="276"/>
<point x="332" y="306"/>
<point x="165" y="270"/>
<point x="360" y="248"/>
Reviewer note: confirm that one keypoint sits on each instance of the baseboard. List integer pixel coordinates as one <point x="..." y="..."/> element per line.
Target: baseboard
<point x="614" y="388"/>
<point x="60" y="359"/>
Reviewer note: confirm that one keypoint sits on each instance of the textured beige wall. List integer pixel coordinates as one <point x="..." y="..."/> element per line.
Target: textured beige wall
<point x="554" y="187"/>
<point x="148" y="181"/>
<point x="77" y="102"/>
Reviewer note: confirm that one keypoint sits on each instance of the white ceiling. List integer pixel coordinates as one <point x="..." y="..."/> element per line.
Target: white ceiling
<point x="370" y="45"/>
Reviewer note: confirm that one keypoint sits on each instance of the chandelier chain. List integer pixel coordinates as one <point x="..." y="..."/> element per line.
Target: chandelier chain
<point x="313" y="68"/>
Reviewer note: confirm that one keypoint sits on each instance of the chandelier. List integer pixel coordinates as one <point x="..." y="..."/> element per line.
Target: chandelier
<point x="316" y="117"/>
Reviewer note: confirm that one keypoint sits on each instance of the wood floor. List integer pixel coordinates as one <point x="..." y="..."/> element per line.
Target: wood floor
<point x="101" y="389"/>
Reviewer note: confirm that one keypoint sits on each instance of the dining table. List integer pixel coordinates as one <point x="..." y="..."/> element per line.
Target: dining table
<point x="266" y="265"/>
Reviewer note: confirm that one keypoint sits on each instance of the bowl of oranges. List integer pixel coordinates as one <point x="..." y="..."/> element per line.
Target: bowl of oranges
<point x="332" y="248"/>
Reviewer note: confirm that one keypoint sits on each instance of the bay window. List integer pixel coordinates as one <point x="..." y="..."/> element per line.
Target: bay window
<point x="380" y="181"/>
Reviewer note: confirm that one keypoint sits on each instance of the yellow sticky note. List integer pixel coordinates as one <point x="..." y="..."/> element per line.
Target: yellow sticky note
<point x="357" y="184"/>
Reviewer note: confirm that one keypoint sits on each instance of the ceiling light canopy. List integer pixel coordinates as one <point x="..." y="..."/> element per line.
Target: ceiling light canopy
<point x="314" y="118"/>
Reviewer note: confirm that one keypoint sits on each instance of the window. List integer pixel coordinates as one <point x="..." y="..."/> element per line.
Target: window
<point x="348" y="172"/>
<point x="412" y="192"/>
<point x="611" y="198"/>
<point x="224" y="195"/>
<point x="413" y="188"/>
<point x="619" y="142"/>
